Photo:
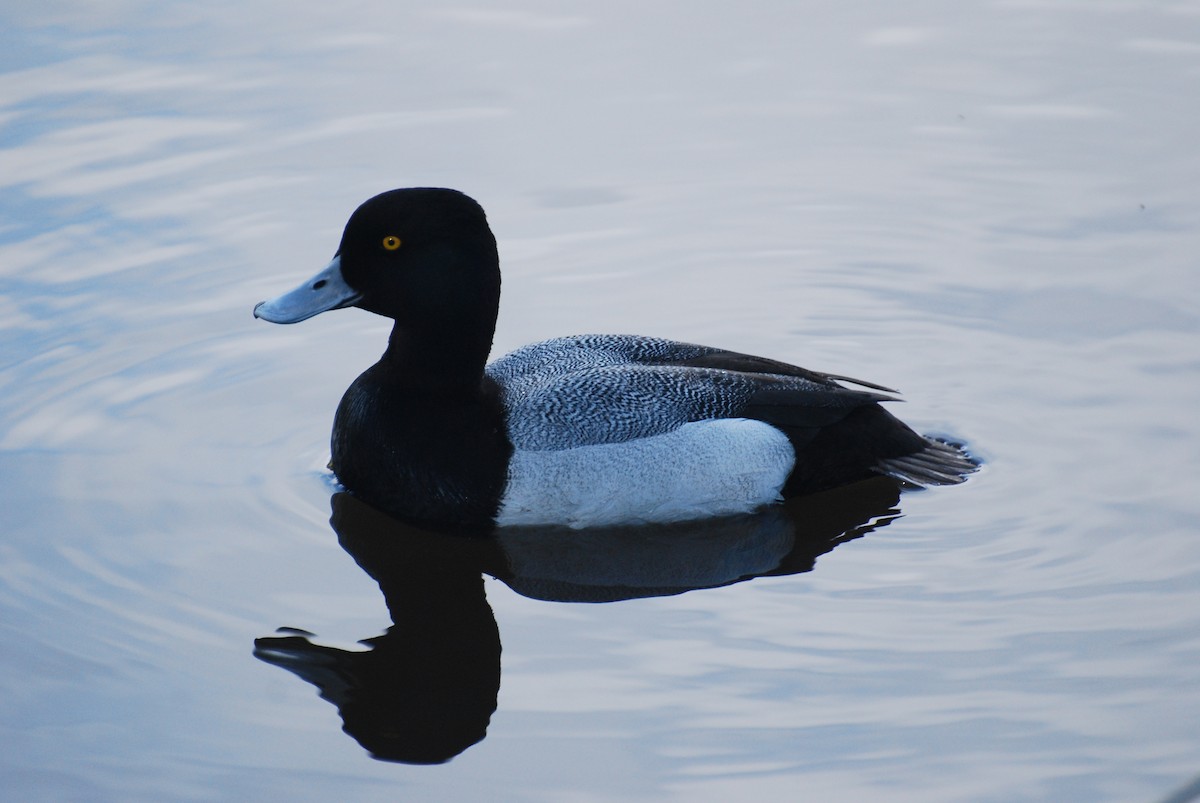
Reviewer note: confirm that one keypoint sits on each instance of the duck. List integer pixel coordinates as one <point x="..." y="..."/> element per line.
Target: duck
<point x="594" y="430"/>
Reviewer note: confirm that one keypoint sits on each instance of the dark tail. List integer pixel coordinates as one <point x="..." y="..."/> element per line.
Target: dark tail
<point x="939" y="463"/>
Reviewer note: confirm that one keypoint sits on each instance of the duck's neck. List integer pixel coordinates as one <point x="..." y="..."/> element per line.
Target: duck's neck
<point x="437" y="360"/>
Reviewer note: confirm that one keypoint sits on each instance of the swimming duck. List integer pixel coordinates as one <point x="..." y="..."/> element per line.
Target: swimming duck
<point x="588" y="430"/>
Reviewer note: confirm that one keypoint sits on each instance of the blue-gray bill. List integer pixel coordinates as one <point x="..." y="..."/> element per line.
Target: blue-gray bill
<point x="325" y="291"/>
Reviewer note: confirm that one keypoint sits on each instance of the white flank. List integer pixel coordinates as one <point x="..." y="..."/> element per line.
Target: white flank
<point x="705" y="468"/>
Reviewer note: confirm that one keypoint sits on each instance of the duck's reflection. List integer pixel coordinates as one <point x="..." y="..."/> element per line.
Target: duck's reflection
<point x="425" y="690"/>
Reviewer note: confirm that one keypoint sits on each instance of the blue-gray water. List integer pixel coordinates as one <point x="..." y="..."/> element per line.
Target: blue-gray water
<point x="992" y="206"/>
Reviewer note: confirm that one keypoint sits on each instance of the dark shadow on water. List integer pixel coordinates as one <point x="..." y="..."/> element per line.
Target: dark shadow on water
<point x="425" y="690"/>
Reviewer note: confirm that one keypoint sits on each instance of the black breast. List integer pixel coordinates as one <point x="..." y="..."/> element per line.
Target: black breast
<point x="434" y="457"/>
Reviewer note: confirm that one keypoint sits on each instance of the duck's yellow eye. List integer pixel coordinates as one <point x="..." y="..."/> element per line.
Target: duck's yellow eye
<point x="391" y="242"/>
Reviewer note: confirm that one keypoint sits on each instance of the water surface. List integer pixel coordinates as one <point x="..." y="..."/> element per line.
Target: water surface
<point x="989" y="206"/>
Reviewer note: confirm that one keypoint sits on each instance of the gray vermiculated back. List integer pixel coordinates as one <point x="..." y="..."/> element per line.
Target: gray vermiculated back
<point x="591" y="389"/>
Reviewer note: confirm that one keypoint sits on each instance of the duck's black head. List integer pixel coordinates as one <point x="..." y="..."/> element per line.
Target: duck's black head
<point x="424" y="257"/>
<point x="420" y="253"/>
